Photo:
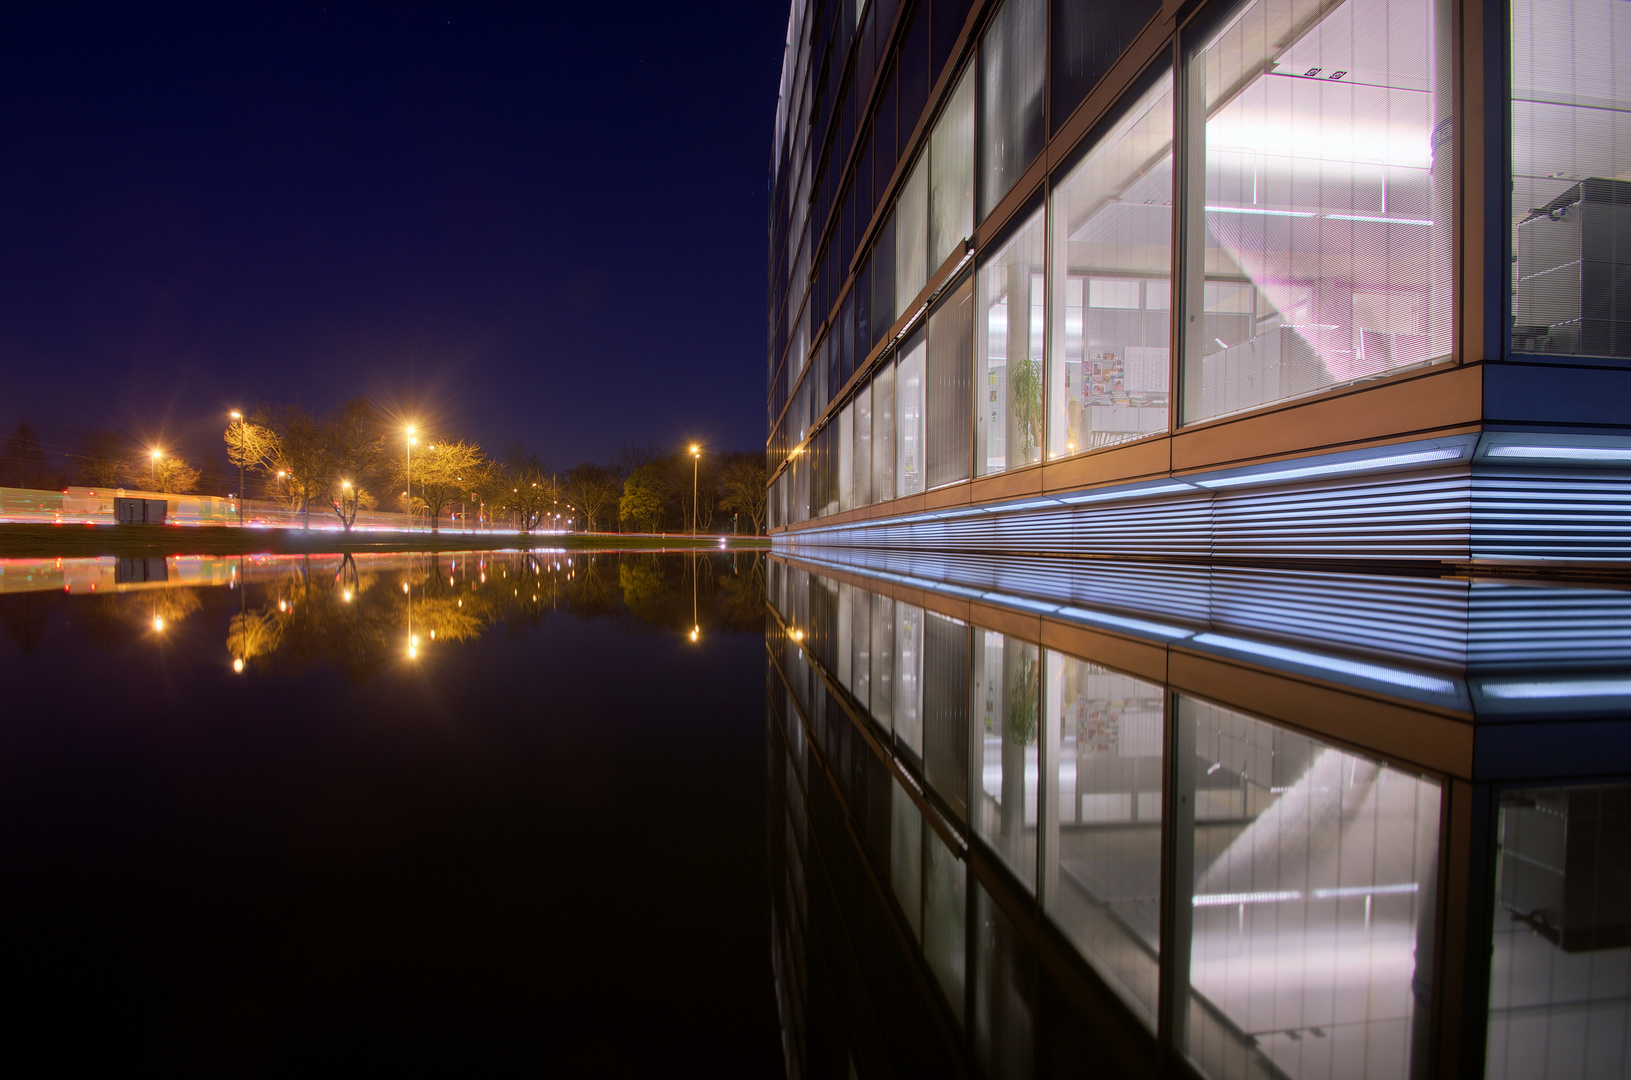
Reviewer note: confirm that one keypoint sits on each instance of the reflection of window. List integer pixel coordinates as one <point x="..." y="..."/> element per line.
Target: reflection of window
<point x="1571" y="152"/>
<point x="1112" y="232"/>
<point x="1103" y="873"/>
<point x="1560" y="966"/>
<point x="1003" y="748"/>
<point x="1008" y="362"/>
<point x="1310" y="900"/>
<point x="1321" y="208"/>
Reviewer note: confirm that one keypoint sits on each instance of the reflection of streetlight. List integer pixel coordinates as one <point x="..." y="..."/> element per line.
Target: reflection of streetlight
<point x="238" y="664"/>
<point x="158" y="623"/>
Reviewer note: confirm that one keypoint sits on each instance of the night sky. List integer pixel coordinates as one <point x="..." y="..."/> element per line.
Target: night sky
<point x="536" y="222"/>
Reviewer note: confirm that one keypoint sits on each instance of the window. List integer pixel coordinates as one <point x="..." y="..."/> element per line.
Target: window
<point x="951" y="175"/>
<point x="909" y="418"/>
<point x="1571" y="149"/>
<point x="862" y="455"/>
<point x="1087" y="40"/>
<point x="846" y="457"/>
<point x="1102" y="880"/>
<point x="912" y="234"/>
<point x="883" y="433"/>
<point x="1011" y="67"/>
<point x="946" y="381"/>
<point x="882" y="636"/>
<point x="1318" y="204"/>
<point x="1112" y="260"/>
<point x="1003" y="748"/>
<point x="1008" y="367"/>
<point x="1309" y="899"/>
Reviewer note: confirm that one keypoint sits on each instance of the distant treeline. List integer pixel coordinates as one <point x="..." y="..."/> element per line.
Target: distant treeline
<point x="356" y="457"/>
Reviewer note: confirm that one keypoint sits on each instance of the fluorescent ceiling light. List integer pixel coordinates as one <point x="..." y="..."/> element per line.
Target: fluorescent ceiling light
<point x="1333" y="467"/>
<point x="1383" y="220"/>
<point x="1259" y="212"/>
<point x="1562" y="453"/>
<point x="1231" y="899"/>
<point x="1571" y="688"/>
<point x="1375" y="672"/>
<point x="1367" y="890"/>
<point x="1020" y="601"/>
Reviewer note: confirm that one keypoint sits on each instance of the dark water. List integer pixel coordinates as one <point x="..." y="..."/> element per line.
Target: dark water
<point x="538" y="841"/>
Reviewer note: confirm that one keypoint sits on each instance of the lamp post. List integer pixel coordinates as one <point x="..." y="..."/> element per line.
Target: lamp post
<point x="238" y="418"/>
<point x="153" y="469"/>
<point x="409" y="492"/>
<point x="696" y="460"/>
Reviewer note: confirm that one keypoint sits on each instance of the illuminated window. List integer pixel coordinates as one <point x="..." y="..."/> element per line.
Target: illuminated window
<point x="1319" y="211"/>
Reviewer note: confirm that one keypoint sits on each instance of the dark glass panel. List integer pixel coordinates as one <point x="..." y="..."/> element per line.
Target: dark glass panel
<point x="914" y="74"/>
<point x="1087" y="40"/>
<point x="883" y="282"/>
<point x="863" y="312"/>
<point x="949" y="17"/>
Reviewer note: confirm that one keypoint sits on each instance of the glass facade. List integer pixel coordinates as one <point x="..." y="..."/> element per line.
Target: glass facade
<point x="1263" y="210"/>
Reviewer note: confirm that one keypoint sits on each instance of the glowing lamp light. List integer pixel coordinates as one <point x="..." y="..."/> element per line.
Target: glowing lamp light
<point x="404" y="586"/>
<point x="158" y="622"/>
<point x="694" y="631"/>
<point x="238" y="664"/>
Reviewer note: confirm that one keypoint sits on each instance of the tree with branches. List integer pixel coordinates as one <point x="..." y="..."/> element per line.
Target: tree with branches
<point x="102" y="458"/>
<point x="22" y="458"/>
<point x="593" y="491"/>
<point x="743" y="482"/>
<point x="355" y="434"/>
<point x="443" y="473"/>
<point x="646" y="494"/>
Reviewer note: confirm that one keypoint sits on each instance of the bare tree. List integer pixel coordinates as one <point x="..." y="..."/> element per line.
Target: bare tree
<point x="303" y="464"/>
<point x="593" y="490"/>
<point x="743" y="481"/>
<point x="22" y="458"/>
<point x="443" y="473"/>
<point x="526" y="488"/>
<point x="355" y="437"/>
<point x="101" y="458"/>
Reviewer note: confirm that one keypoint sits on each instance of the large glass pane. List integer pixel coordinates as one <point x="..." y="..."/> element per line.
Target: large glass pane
<point x="883" y="433"/>
<point x="1008" y="366"/>
<point x="1560" y="966"/>
<point x="1087" y="40"/>
<point x="862" y="454"/>
<point x="1321" y="209"/>
<point x="912" y="234"/>
<point x="1003" y="748"/>
<point x="846" y="457"/>
<point x="945" y="906"/>
<point x="951" y="175"/>
<point x="909" y="419"/>
<point x="945" y="710"/>
<point x="860" y="638"/>
<point x="1310" y="897"/>
<point x="1112" y="286"/>
<point x="946" y="387"/>
<point x="1571" y="157"/>
<point x="1011" y="66"/>
<point x="1102" y="880"/>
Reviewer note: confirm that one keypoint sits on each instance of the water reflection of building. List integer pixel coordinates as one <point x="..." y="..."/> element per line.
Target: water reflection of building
<point x="1016" y="837"/>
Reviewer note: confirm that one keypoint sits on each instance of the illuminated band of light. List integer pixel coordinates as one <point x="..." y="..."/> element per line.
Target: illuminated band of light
<point x="1573" y="688"/>
<point x="1344" y="892"/>
<point x="1334" y="467"/>
<point x="1562" y="453"/>
<point x="1375" y="672"/>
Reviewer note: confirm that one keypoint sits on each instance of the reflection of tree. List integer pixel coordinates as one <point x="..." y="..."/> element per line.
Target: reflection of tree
<point x="356" y="618"/>
<point x="109" y="620"/>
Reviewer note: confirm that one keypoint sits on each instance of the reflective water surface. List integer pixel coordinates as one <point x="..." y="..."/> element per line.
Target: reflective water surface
<point x="1003" y="818"/>
<point x="286" y="816"/>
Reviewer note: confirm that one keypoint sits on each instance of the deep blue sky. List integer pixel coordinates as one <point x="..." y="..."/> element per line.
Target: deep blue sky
<point x="542" y="222"/>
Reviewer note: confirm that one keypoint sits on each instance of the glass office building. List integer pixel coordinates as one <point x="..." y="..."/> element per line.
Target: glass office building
<point x="1199" y="445"/>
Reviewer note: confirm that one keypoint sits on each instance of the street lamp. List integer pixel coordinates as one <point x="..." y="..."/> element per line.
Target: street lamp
<point x="409" y="492"/>
<point x="696" y="460"/>
<point x="153" y="470"/>
<point x="238" y="418"/>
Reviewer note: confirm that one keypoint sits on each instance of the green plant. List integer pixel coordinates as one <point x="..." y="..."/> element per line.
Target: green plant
<point x="1025" y="403"/>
